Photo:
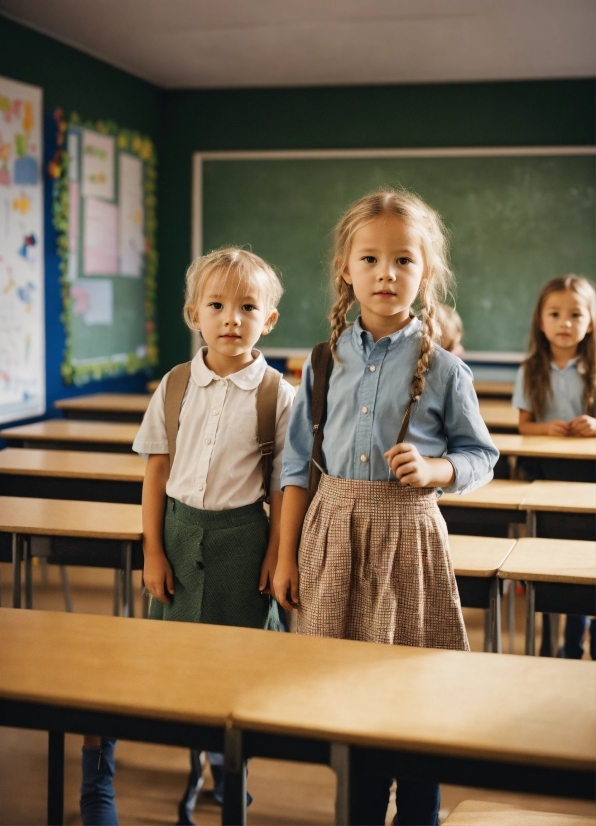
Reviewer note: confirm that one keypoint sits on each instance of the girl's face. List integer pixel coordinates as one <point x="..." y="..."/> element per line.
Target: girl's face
<point x="565" y="321"/>
<point x="385" y="268"/>
<point x="232" y="314"/>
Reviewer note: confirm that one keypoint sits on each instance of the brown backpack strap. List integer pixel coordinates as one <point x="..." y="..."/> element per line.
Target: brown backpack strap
<point x="175" y="390"/>
<point x="405" y="422"/>
<point x="322" y="365"/>
<point x="266" y="420"/>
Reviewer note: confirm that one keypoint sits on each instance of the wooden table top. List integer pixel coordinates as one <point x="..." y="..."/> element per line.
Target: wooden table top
<point x="478" y="556"/>
<point x="488" y="813"/>
<point x="57" y="517"/>
<point x="107" y="402"/>
<point x="551" y="560"/>
<point x="568" y="497"/>
<point x="118" y="467"/>
<point x="497" y="494"/>
<point x="152" y="385"/>
<point x="499" y="413"/>
<point x="493" y="388"/>
<point x="427" y="700"/>
<point x="74" y="431"/>
<point x="546" y="447"/>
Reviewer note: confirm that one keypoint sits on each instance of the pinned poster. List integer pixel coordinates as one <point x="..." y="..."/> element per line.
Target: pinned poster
<point x="22" y="337"/>
<point x="132" y="236"/>
<point x="100" y="238"/>
<point x="98" y="165"/>
<point x="93" y="300"/>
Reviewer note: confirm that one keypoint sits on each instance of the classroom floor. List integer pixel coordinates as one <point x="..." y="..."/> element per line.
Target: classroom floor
<point x="150" y="779"/>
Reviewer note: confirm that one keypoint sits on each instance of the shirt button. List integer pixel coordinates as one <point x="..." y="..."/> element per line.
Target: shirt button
<point x="364" y="410"/>
<point x="364" y="458"/>
<point x="200" y="487"/>
<point x="207" y="441"/>
<point x="216" y="412"/>
<point x="372" y="368"/>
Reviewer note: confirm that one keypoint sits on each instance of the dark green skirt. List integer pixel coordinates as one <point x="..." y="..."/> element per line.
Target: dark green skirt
<point x="216" y="557"/>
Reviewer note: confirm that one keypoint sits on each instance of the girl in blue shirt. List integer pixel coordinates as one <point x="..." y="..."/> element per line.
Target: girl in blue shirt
<point x="369" y="559"/>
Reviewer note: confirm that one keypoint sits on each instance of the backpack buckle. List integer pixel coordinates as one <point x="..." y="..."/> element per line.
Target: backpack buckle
<point x="266" y="448"/>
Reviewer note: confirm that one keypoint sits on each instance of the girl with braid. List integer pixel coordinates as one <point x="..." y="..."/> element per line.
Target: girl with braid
<point x="368" y="559"/>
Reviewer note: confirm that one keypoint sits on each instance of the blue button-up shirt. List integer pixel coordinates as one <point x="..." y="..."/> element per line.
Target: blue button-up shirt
<point x="567" y="400"/>
<point x="369" y="391"/>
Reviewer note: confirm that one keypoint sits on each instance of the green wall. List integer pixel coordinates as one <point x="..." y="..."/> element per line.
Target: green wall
<point x="480" y="114"/>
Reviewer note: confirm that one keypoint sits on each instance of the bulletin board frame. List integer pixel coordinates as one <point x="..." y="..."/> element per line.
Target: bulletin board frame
<point x="95" y="275"/>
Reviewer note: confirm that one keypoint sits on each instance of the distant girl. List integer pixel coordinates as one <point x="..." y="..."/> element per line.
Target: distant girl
<point x="370" y="558"/>
<point x="554" y="392"/>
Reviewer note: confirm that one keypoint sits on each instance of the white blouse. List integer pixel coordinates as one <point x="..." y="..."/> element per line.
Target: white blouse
<point x="218" y="463"/>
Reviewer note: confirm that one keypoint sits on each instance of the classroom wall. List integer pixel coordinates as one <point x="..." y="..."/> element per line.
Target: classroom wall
<point x="77" y="83"/>
<point x="465" y="114"/>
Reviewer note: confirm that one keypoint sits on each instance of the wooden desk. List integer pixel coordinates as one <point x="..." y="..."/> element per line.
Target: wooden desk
<point x="545" y="447"/>
<point x="326" y="701"/>
<point x="152" y="385"/>
<point x="487" y="813"/>
<point x="71" y="474"/>
<point x="498" y="415"/>
<point x="92" y="534"/>
<point x="106" y="407"/>
<point x="563" y="510"/>
<point x="487" y="511"/>
<point x="57" y="434"/>
<point x="560" y="576"/>
<point x="476" y="562"/>
<point x="493" y="388"/>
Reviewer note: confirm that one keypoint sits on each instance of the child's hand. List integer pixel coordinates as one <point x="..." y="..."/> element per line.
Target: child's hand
<point x="267" y="572"/>
<point x="158" y="576"/>
<point x="583" y="426"/>
<point x="559" y="428"/>
<point x="409" y="466"/>
<point x="285" y="585"/>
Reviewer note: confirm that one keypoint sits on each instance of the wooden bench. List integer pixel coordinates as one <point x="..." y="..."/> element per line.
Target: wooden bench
<point x="89" y="534"/>
<point x="106" y="407"/>
<point x="486" y="511"/>
<point x="476" y="562"/>
<point x="560" y="576"/>
<point x="563" y="510"/>
<point x="71" y="474"/>
<point x="545" y="447"/>
<point x="57" y="434"/>
<point x="487" y="813"/>
<point x="356" y="706"/>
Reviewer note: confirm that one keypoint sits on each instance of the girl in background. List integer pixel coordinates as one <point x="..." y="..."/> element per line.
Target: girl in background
<point x="369" y="559"/>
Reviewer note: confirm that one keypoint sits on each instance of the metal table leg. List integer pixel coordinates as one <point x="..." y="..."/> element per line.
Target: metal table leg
<point x="234" y="804"/>
<point x="16" y="571"/>
<point x="511" y="615"/>
<point x="65" y="588"/>
<point x="127" y="607"/>
<point x="495" y="615"/>
<point x="28" y="572"/>
<point x="55" y="778"/>
<point x="530" y="618"/>
<point x="340" y="763"/>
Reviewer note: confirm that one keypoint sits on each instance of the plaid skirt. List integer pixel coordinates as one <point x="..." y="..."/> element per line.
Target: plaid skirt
<point x="374" y="565"/>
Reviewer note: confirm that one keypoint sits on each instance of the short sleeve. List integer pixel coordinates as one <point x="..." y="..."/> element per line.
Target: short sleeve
<point x="152" y="436"/>
<point x="285" y="399"/>
<point x="299" y="438"/>
<point x="519" y="399"/>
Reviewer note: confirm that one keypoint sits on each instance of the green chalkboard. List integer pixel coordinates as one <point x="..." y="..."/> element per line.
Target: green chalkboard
<point x="516" y="221"/>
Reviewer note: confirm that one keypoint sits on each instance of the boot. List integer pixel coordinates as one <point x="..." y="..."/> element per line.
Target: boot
<point x="194" y="785"/>
<point x="98" y="806"/>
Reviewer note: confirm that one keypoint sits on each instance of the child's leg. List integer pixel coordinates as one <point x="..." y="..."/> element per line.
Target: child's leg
<point x="417" y="803"/>
<point x="575" y="628"/>
<point x="369" y="798"/>
<point x="194" y="785"/>
<point x="98" y="806"/>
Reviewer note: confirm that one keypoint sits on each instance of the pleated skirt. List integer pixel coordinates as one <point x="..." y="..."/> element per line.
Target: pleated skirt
<point x="374" y="565"/>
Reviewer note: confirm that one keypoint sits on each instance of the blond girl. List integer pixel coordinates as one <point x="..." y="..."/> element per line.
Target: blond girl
<point x="369" y="559"/>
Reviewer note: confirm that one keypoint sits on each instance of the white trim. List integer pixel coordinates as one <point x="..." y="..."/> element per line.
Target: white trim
<point x="412" y="152"/>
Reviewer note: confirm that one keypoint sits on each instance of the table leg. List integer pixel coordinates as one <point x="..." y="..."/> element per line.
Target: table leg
<point x="234" y="804"/>
<point x="511" y="615"/>
<point x="488" y="628"/>
<point x="530" y="618"/>
<point x="340" y="763"/>
<point x="28" y="572"/>
<point x="65" y="588"/>
<point x="128" y="607"/>
<point x="55" y="778"/>
<point x="495" y="615"/>
<point x="117" y="592"/>
<point x="531" y="523"/>
<point x="16" y="571"/>
<point x="555" y="626"/>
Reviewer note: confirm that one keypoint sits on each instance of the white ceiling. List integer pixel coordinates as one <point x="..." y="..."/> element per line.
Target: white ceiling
<point x="252" y="43"/>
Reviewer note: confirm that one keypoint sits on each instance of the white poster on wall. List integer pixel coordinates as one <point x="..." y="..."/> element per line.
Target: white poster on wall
<point x="22" y="333"/>
<point x="132" y="237"/>
<point x="98" y="166"/>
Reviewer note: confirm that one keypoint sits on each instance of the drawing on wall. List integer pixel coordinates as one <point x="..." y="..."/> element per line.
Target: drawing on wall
<point x="22" y="343"/>
<point x="104" y="211"/>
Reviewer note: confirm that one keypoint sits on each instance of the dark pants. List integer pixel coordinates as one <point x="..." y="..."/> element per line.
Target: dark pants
<point x="575" y="629"/>
<point x="417" y="801"/>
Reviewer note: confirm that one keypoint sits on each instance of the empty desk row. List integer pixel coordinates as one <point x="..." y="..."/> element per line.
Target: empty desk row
<point x="356" y="706"/>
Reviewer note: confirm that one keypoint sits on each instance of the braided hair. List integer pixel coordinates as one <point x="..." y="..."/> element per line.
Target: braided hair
<point x="436" y="280"/>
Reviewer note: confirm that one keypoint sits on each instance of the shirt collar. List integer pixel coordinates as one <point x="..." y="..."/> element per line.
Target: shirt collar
<point x="570" y="364"/>
<point x="246" y="379"/>
<point x="406" y="332"/>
